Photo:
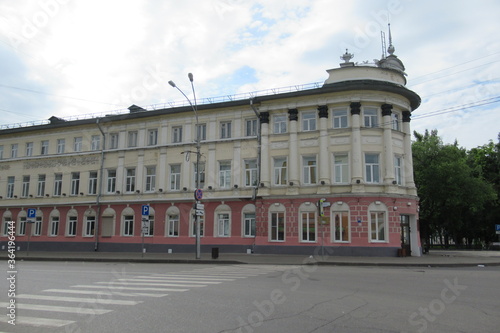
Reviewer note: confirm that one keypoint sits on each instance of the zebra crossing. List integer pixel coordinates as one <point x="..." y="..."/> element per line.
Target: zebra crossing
<point x="103" y="297"/>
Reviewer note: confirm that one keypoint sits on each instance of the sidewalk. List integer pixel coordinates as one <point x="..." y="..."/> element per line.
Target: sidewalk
<point x="433" y="259"/>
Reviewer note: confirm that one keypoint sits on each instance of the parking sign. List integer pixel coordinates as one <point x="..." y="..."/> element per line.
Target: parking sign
<point x="145" y="210"/>
<point x="31" y="213"/>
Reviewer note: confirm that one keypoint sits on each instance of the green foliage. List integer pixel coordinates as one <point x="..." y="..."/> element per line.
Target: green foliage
<point x="458" y="189"/>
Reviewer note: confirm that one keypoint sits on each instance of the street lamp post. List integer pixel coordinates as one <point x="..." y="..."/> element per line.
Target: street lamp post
<point x="197" y="129"/>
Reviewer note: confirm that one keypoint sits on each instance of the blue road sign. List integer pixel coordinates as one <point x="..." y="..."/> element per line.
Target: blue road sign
<point x="198" y="194"/>
<point x="31" y="213"/>
<point x="145" y="210"/>
<point x="497" y="227"/>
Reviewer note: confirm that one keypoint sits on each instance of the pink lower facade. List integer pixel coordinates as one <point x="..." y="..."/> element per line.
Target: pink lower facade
<point x="350" y="225"/>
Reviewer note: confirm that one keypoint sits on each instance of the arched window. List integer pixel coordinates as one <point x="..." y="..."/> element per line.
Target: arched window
<point x="222" y="220"/>
<point x="377" y="224"/>
<point x="248" y="221"/>
<point x="172" y="222"/>
<point x="277" y="227"/>
<point x="340" y="223"/>
<point x="307" y="223"/>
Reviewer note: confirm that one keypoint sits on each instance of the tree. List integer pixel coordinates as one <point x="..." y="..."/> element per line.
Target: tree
<point x="452" y="194"/>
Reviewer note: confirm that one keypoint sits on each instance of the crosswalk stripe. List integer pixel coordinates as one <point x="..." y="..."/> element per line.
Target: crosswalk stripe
<point x="209" y="276"/>
<point x="53" y="308"/>
<point x="125" y="283"/>
<point x="186" y="277"/>
<point x="172" y="280"/>
<point x="102" y="292"/>
<point x="78" y="299"/>
<point x="36" y="321"/>
<point x="129" y="288"/>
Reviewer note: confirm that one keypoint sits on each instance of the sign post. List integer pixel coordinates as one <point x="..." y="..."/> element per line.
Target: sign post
<point x="31" y="212"/>
<point x="144" y="224"/>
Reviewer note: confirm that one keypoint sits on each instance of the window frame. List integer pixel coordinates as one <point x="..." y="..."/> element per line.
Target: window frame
<point x="309" y="121"/>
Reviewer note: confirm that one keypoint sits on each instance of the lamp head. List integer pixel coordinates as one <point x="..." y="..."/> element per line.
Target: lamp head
<point x="171" y="83"/>
<point x="190" y="76"/>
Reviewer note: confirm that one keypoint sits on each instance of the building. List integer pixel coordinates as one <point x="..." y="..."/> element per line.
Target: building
<point x="322" y="168"/>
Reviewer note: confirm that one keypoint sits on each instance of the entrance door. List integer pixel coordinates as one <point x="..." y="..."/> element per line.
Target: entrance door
<point x="405" y="234"/>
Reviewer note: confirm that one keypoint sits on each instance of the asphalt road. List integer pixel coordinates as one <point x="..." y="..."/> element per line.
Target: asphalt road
<point x="108" y="297"/>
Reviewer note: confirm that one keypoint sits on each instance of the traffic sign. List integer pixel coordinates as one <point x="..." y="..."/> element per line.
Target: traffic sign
<point x="145" y="210"/>
<point x="199" y="212"/>
<point x="497" y="227"/>
<point x="31" y="213"/>
<point x="200" y="206"/>
<point x="198" y="194"/>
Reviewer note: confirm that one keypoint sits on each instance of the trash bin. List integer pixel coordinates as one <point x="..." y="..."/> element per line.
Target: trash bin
<point x="215" y="252"/>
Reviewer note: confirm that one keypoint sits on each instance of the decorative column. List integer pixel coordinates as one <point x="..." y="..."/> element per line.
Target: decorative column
<point x="293" y="149"/>
<point x="388" y="152"/>
<point x="324" y="154"/>
<point x="408" y="158"/>
<point x="357" y="160"/>
<point x="265" y="179"/>
<point x="162" y="170"/>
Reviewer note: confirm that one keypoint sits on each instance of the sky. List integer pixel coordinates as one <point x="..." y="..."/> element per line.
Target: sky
<point x="72" y="58"/>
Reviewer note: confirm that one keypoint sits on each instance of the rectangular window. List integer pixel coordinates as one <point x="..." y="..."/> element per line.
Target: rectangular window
<point x="93" y="182"/>
<point x="75" y="183"/>
<point x="77" y="144"/>
<point x="177" y="134"/>
<point x="14" y="150"/>
<point x="372" y="168"/>
<point x="128" y="225"/>
<point x="251" y="173"/>
<point x="339" y="118"/>
<point x="26" y="187"/>
<point x="202" y="175"/>
<point x="308" y="233"/>
<point x="10" y="186"/>
<point x="308" y="121"/>
<point x="225" y="174"/>
<point x="6" y="226"/>
<point x="37" y="230"/>
<point x="175" y="177"/>
<point x="341" y="169"/>
<point x="130" y="180"/>
<point x="54" y="226"/>
<point x="150" y="179"/>
<point x="251" y="127"/>
<point x="29" y="149"/>
<point x="1" y="152"/>
<point x="309" y="168"/>
<point x="280" y="171"/>
<point x="279" y="124"/>
<point x="89" y="226"/>
<point x="223" y="225"/>
<point x="398" y="170"/>
<point x="225" y="130"/>
<point x="72" y="224"/>
<point x="395" y="121"/>
<point x="44" y="147"/>
<point x="201" y="131"/>
<point x="21" y="230"/>
<point x="111" y="183"/>
<point x="58" y="178"/>
<point x="277" y="232"/>
<point x="371" y="117"/>
<point x="113" y="140"/>
<point x="61" y="146"/>
<point x="249" y="225"/>
<point x="40" y="190"/>
<point x="132" y="139"/>
<point x="340" y="227"/>
<point x="377" y="226"/>
<point x="95" y="142"/>
<point x="173" y="225"/>
<point x="152" y="137"/>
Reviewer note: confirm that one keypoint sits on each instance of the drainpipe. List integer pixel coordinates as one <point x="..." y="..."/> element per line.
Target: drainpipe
<point x="259" y="158"/>
<point x="99" y="190"/>
<point x="259" y="144"/>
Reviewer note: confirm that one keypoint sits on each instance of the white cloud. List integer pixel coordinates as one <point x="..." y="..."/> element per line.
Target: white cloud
<point x="106" y="55"/>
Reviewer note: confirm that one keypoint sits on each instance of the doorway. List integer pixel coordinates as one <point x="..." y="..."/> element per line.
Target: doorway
<point x="405" y="235"/>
